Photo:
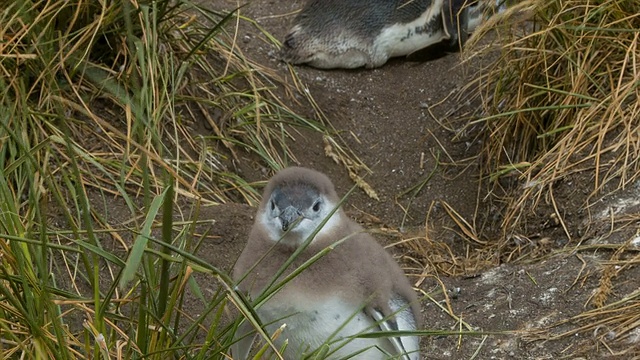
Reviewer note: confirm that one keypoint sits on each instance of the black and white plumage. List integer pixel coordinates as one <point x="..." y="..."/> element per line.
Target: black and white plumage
<point x="355" y="288"/>
<point x="349" y="34"/>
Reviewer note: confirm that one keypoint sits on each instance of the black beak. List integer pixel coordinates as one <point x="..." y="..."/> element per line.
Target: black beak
<point x="289" y="217"/>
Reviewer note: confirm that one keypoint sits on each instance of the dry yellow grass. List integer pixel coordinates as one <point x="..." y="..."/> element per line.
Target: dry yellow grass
<point x="562" y="97"/>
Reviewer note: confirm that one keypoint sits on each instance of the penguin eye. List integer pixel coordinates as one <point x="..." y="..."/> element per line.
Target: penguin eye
<point x="316" y="206"/>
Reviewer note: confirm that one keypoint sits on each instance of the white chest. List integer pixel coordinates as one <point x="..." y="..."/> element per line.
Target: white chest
<point x="311" y="324"/>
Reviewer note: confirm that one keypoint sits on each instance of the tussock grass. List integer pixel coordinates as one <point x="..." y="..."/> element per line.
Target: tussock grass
<point x="562" y="98"/>
<point x="112" y="115"/>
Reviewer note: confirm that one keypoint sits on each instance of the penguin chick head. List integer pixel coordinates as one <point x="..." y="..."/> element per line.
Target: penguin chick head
<point x="295" y="204"/>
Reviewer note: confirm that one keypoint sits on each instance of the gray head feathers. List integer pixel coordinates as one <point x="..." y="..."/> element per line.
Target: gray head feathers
<point x="295" y="203"/>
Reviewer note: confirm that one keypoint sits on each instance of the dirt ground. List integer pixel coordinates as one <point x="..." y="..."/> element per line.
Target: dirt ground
<point x="390" y="117"/>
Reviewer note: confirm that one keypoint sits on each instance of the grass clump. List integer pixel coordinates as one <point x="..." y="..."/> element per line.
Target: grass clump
<point x="562" y="98"/>
<point x="562" y="102"/>
<point x="113" y="115"/>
